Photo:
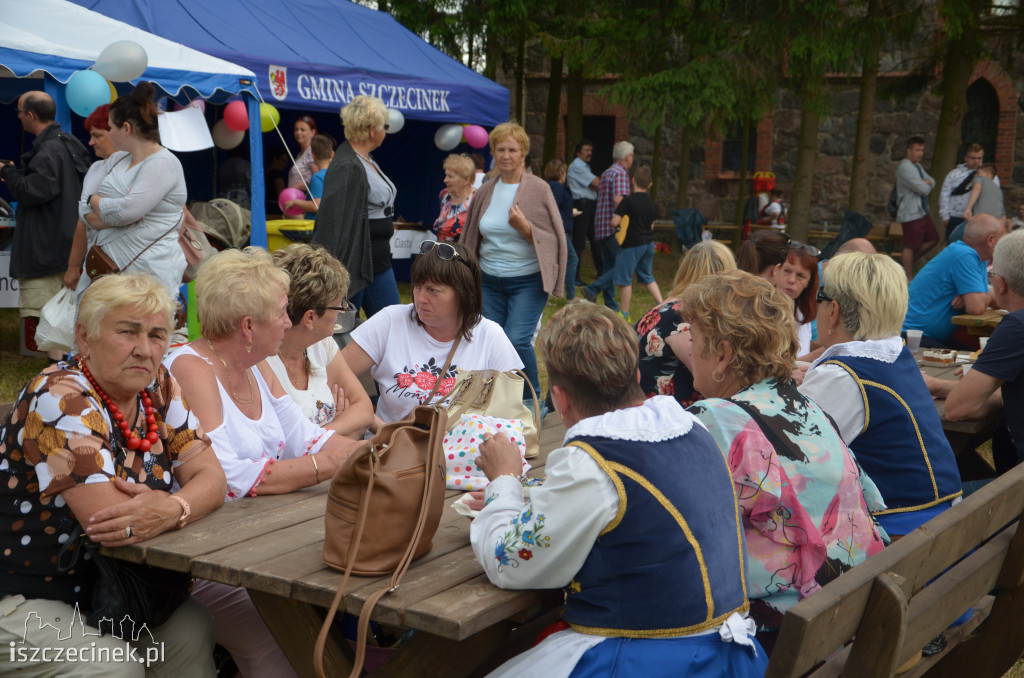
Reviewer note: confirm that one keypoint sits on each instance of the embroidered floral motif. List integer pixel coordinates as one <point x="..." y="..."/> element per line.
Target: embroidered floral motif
<point x="527" y="529"/>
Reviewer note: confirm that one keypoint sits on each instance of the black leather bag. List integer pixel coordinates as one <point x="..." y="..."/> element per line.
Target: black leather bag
<point x="146" y="595"/>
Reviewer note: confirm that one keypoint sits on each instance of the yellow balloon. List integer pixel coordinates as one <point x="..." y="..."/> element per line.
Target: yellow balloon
<point x="113" y="91"/>
<point x="269" y="117"/>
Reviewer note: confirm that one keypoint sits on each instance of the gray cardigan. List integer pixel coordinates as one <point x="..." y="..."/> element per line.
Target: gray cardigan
<point x="538" y="205"/>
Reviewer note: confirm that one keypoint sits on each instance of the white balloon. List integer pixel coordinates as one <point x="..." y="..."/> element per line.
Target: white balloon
<point x="226" y="138"/>
<point x="448" y="137"/>
<point x="122" y="61"/>
<point x="396" y="121"/>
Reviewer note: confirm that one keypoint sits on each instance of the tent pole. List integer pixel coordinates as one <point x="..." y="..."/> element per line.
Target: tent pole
<point x="258" y="234"/>
<point x="55" y="89"/>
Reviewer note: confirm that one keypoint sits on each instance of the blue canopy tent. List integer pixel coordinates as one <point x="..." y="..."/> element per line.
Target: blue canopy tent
<point x="316" y="55"/>
<point x="44" y="42"/>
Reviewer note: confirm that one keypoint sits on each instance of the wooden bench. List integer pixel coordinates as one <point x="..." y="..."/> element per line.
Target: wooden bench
<point x="878" y="615"/>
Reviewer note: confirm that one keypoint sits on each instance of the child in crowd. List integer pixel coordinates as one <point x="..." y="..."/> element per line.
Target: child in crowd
<point x="555" y="174"/>
<point x="637" y="254"/>
<point x="986" y="196"/>
<point x="322" y="147"/>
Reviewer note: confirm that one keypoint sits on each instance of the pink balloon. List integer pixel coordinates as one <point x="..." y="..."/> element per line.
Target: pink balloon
<point x="476" y="136"/>
<point x="236" y="116"/>
<point x="287" y="194"/>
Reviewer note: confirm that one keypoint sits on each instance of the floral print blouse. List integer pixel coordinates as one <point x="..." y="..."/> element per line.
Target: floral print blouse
<point x="806" y="508"/>
<point x="56" y="437"/>
<point x="661" y="372"/>
<point x="449" y="223"/>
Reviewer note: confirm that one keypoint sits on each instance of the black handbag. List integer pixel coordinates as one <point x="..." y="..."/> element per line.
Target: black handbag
<point x="146" y="595"/>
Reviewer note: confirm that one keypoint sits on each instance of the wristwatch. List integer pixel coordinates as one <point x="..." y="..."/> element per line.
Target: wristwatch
<point x="186" y="511"/>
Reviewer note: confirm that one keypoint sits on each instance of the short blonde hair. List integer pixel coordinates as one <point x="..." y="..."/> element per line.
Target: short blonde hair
<point x="461" y="164"/>
<point x="362" y="113"/>
<point x="591" y="352"/>
<point x="317" y="278"/>
<point x="749" y="313"/>
<point x="510" y="129"/>
<point x="705" y="258"/>
<point x="111" y="292"/>
<point x="871" y="290"/>
<point x="236" y="283"/>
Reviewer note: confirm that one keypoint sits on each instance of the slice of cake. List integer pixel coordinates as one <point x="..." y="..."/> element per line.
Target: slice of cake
<point x="941" y="357"/>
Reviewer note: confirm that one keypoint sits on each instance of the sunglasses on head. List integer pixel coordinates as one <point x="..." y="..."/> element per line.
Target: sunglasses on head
<point x="797" y="245"/>
<point x="821" y="297"/>
<point x="443" y="250"/>
<point x="343" y="307"/>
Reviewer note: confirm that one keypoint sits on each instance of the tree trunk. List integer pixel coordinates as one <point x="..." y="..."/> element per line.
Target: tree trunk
<point x="806" y="157"/>
<point x="573" y="111"/>
<point x="554" y="108"/>
<point x="683" y="183"/>
<point x="520" y="111"/>
<point x="956" y="73"/>
<point x="655" y="162"/>
<point x="865" y="115"/>
<point x="741" y="191"/>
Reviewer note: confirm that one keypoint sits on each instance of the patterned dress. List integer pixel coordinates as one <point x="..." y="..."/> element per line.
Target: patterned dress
<point x="452" y="218"/>
<point x="661" y="372"/>
<point x="805" y="508"/>
<point x="56" y="437"/>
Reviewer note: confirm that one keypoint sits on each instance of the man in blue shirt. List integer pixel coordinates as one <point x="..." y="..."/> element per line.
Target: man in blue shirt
<point x="582" y="183"/>
<point x="955" y="281"/>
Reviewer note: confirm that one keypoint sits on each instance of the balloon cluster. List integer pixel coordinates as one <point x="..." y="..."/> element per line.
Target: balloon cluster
<point x="449" y="136"/>
<point x="120" y="61"/>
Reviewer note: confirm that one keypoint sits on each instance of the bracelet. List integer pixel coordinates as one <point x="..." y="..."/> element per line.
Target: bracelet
<point x="316" y="468"/>
<point x="186" y="511"/>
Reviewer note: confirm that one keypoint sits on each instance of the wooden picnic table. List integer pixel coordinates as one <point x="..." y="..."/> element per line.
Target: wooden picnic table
<point x="273" y="546"/>
<point x="981" y="324"/>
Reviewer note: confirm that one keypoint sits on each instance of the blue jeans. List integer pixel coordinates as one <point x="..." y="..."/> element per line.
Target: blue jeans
<point x="382" y="292"/>
<point x="517" y="303"/>
<point x="572" y="263"/>
<point x="605" y="284"/>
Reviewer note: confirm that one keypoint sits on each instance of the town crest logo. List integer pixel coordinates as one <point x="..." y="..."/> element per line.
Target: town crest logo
<point x="279" y="82"/>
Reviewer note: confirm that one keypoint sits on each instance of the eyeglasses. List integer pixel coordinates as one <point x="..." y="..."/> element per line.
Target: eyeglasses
<point x="344" y="307"/>
<point x="810" y="249"/>
<point x="443" y="249"/>
<point x="821" y="297"/>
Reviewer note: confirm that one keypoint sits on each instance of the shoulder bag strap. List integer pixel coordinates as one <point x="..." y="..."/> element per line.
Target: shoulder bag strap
<point x="447" y="364"/>
<point x="158" y="239"/>
<point x="431" y="472"/>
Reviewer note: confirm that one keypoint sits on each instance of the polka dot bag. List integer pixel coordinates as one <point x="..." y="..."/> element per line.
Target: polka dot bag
<point x="462" y="446"/>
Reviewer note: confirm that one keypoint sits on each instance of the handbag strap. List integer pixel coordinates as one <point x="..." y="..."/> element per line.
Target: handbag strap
<point x="456" y="409"/>
<point x="444" y="370"/>
<point x="161" y="237"/>
<point x="432" y="471"/>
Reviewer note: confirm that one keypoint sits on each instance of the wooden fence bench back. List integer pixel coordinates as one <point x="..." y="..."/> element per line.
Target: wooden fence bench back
<point x="885" y="608"/>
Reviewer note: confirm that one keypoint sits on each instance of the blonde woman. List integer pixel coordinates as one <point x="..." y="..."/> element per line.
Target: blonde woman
<point x="459" y="174"/>
<point x="355" y="222"/>
<point x="664" y="342"/>
<point x="309" y="364"/>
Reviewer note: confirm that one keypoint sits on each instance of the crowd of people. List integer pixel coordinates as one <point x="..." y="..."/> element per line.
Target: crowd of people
<point x="806" y="428"/>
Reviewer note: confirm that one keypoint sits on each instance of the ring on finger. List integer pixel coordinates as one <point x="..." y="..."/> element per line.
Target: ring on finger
<point x="128" y="532"/>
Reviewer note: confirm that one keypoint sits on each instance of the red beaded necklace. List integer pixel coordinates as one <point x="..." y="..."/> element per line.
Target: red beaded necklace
<point x="131" y="439"/>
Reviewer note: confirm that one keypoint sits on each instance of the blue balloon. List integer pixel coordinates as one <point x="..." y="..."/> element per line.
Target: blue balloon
<point x="85" y="91"/>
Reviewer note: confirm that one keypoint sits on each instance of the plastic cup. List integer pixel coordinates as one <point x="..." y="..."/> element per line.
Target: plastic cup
<point x="914" y="340"/>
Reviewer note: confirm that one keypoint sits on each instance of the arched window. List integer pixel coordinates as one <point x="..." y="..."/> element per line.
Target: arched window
<point x="981" y="122"/>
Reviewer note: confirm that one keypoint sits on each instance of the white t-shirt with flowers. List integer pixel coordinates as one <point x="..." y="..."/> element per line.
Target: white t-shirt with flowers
<point x="407" y="360"/>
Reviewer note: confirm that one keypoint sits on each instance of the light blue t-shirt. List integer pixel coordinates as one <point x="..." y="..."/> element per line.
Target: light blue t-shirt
<point x="503" y="252"/>
<point x="955" y="270"/>
<point x="316" y="189"/>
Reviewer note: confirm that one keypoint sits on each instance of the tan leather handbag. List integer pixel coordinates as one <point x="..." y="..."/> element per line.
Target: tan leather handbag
<point x="496" y="394"/>
<point x="391" y="489"/>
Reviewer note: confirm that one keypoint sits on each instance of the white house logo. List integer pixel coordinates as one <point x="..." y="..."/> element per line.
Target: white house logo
<point x="279" y="82"/>
<point x="134" y="645"/>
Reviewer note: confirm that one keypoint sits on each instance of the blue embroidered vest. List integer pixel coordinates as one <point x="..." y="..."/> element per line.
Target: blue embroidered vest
<point x="671" y="561"/>
<point x="902" y="447"/>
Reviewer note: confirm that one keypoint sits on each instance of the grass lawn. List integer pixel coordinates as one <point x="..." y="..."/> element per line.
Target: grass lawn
<point x="15" y="369"/>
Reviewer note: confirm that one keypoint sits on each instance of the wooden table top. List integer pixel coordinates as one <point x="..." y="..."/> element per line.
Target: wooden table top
<point x="990" y="319"/>
<point x="971" y="426"/>
<point x="274" y="544"/>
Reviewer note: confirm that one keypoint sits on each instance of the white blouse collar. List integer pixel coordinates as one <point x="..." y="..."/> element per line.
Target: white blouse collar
<point x="885" y="350"/>
<point x="657" y="419"/>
